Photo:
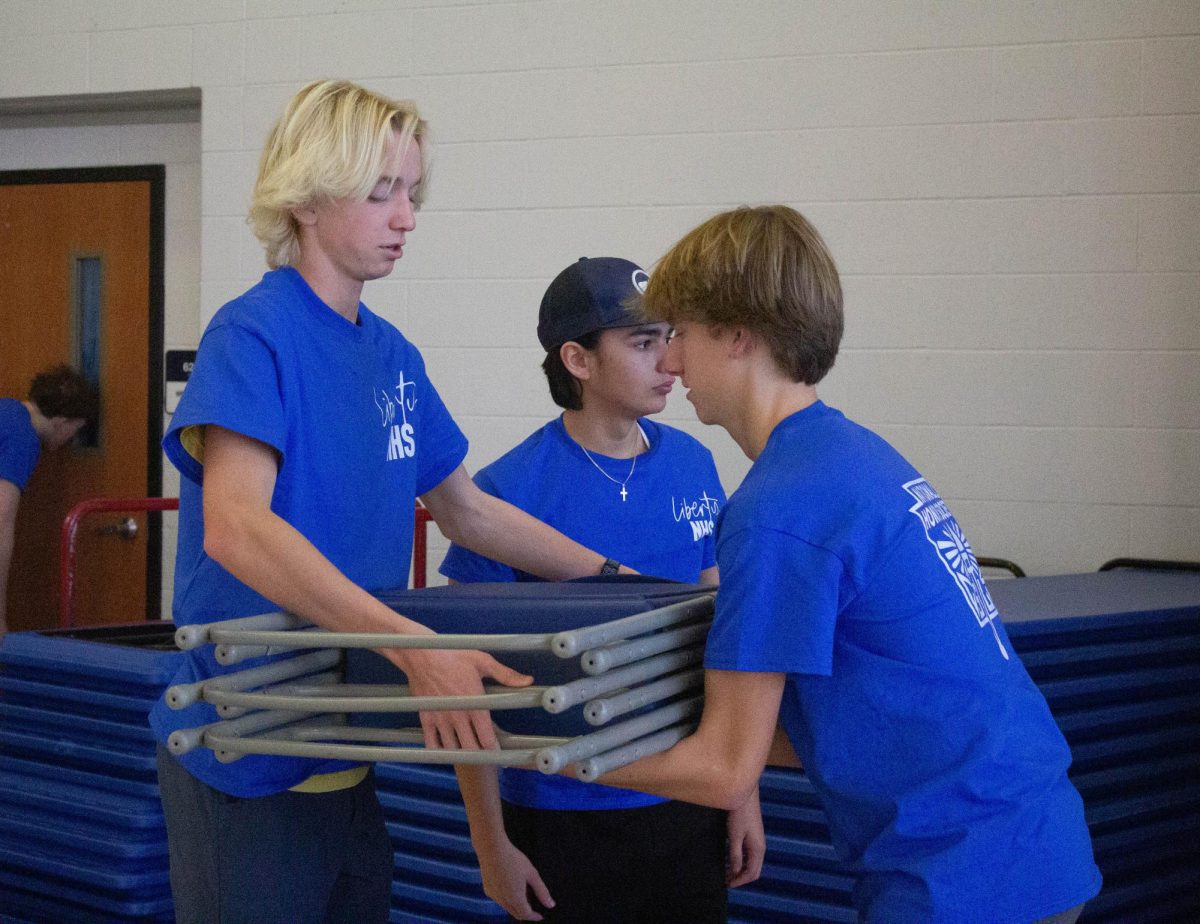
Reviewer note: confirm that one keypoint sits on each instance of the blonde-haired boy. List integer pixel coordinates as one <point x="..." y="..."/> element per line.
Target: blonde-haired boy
<point x="307" y="430"/>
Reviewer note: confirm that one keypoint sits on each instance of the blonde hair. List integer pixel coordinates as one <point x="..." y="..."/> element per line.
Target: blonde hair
<point x="765" y="269"/>
<point x="330" y="143"/>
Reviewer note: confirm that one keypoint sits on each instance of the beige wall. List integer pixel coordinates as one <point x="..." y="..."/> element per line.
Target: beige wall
<point x="1012" y="191"/>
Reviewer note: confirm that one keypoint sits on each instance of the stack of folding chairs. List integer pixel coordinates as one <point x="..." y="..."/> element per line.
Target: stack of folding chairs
<point x="618" y="672"/>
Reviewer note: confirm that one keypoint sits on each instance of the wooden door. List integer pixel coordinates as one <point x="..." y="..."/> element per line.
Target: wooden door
<point x="52" y="234"/>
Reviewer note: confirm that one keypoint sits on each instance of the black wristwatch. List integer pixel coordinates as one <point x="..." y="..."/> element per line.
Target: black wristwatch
<point x="610" y="566"/>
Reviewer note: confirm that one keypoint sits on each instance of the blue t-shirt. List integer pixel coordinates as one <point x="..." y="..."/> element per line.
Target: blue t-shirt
<point x="19" y="444"/>
<point x="360" y="432"/>
<point x="664" y="528"/>
<point x="937" y="759"/>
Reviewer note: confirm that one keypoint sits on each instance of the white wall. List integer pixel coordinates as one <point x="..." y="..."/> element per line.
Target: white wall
<point x="1012" y="191"/>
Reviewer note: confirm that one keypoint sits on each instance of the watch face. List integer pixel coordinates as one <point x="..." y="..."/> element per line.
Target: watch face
<point x="610" y="567"/>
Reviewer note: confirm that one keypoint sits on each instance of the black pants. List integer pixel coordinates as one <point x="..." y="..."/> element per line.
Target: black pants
<point x="659" y="864"/>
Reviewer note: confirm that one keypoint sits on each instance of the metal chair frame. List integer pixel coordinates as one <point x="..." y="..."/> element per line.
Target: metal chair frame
<point x="298" y="705"/>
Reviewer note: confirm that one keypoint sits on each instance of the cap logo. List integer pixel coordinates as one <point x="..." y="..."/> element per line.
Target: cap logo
<point x="640" y="278"/>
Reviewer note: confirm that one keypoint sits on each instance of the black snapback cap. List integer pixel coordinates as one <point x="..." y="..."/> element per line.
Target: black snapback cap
<point x="591" y="294"/>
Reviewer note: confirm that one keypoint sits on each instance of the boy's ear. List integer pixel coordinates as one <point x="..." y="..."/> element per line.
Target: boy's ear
<point x="304" y="215"/>
<point x="576" y="359"/>
<point x="740" y="342"/>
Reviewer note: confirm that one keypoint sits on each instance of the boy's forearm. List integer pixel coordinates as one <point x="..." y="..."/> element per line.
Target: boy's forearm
<point x="10" y="499"/>
<point x="5" y="560"/>
<point x="720" y="764"/>
<point x="782" y="754"/>
<point x="685" y="772"/>
<point x="523" y="542"/>
<point x="480" y="789"/>
<point x="498" y="530"/>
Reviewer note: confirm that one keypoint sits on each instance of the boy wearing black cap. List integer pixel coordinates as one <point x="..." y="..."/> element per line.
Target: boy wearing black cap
<point x="645" y="495"/>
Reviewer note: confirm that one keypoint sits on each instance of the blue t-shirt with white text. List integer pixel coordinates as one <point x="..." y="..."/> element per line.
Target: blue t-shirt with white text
<point x="663" y="528"/>
<point x="942" y="771"/>
<point x="360" y="432"/>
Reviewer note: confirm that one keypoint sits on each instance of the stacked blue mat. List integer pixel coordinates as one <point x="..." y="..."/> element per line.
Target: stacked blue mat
<point x="81" y="827"/>
<point x="1120" y="666"/>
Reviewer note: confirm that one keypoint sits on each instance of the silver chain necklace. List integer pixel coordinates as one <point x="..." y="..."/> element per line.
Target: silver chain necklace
<point x="624" y="492"/>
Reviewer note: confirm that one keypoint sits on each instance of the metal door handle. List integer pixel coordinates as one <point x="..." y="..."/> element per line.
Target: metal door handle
<point x="126" y="529"/>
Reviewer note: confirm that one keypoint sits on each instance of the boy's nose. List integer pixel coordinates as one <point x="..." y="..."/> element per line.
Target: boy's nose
<point x="670" y="362"/>
<point x="661" y="364"/>
<point x="404" y="217"/>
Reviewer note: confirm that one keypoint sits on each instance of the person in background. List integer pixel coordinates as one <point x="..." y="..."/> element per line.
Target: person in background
<point x="59" y="404"/>
<point x="647" y="495"/>
<point x="306" y="432"/>
<point x="853" y="614"/>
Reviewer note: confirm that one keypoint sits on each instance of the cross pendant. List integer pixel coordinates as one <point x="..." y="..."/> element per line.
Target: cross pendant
<point x="624" y="493"/>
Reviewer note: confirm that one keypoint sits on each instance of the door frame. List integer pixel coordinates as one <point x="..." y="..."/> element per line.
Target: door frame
<point x="156" y="176"/>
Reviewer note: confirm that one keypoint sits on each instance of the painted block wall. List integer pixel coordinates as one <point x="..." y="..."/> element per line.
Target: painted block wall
<point x="1011" y="190"/>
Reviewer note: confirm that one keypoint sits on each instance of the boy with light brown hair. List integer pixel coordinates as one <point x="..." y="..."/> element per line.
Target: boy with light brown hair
<point x="853" y="627"/>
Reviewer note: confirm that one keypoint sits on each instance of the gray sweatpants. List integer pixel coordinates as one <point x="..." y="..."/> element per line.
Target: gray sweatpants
<point x="303" y="858"/>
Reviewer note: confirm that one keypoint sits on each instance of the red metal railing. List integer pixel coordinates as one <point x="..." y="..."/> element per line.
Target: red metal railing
<point x="420" y="546"/>
<point x="69" y="537"/>
<point x="70" y="529"/>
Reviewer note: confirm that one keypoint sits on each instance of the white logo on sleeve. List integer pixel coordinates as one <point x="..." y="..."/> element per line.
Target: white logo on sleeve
<point x="699" y="513"/>
<point x="948" y="539"/>
<point x="401" y="443"/>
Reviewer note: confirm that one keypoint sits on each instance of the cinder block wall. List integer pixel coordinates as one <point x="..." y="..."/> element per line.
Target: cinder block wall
<point x="1012" y="191"/>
